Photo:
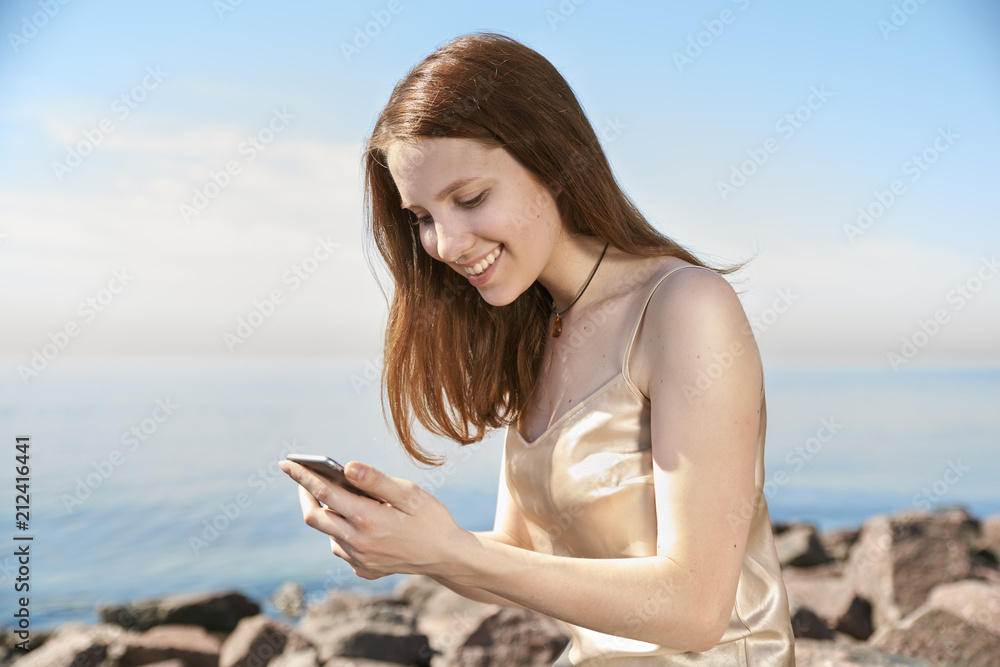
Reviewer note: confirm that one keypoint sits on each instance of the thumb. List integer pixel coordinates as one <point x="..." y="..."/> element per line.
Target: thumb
<point x="399" y="493"/>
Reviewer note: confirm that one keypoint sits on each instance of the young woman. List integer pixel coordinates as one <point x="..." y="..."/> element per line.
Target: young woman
<point x="530" y="293"/>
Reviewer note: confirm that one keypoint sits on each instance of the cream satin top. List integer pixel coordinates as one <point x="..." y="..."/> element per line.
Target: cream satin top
<point x="585" y="489"/>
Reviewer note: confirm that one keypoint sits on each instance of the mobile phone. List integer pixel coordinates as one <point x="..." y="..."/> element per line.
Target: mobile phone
<point x="330" y="469"/>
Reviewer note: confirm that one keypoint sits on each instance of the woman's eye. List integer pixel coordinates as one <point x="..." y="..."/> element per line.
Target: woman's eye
<point x="418" y="220"/>
<point x="474" y="202"/>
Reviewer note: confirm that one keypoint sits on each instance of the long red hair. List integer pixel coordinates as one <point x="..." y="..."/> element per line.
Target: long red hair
<point x="453" y="362"/>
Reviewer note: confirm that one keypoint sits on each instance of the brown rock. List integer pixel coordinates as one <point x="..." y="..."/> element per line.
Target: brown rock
<point x="73" y="644"/>
<point x="213" y="611"/>
<point x="830" y="596"/>
<point x="513" y="637"/>
<point x="190" y="644"/>
<point x="806" y="623"/>
<point x="897" y="560"/>
<point x="817" y="653"/>
<point x="375" y="629"/>
<point x="308" y="657"/>
<point x="837" y="544"/>
<point x="444" y="616"/>
<point x="958" y="625"/>
<point x="798" y="546"/>
<point x="257" y="640"/>
<point x="989" y="539"/>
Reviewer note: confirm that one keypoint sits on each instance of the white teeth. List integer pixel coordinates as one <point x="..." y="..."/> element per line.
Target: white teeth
<point x="476" y="269"/>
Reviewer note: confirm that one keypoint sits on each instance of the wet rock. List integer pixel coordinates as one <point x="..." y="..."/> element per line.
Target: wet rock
<point x="219" y="612"/>
<point x="257" y="640"/>
<point x="799" y="546"/>
<point x="897" y="560"/>
<point x="513" y="637"/>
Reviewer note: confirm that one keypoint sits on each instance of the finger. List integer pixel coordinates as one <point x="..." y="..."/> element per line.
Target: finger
<point x="400" y="493"/>
<point x="318" y="517"/>
<point x="333" y="496"/>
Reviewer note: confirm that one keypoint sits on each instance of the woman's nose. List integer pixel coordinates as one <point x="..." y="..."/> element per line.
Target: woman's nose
<point x="453" y="239"/>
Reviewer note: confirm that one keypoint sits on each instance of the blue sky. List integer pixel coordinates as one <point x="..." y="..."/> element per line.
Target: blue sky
<point x="844" y="100"/>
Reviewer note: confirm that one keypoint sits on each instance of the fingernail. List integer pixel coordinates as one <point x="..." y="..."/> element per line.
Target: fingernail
<point x="356" y="472"/>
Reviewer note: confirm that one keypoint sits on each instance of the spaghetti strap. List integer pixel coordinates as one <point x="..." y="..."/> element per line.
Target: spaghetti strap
<point x="638" y="321"/>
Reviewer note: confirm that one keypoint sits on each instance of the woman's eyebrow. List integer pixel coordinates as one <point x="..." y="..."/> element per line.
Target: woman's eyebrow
<point x="454" y="185"/>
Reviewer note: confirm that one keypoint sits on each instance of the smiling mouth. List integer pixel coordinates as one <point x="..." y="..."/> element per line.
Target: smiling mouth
<point x="483" y="264"/>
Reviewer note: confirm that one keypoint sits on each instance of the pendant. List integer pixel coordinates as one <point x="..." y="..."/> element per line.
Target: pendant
<point x="557" y="327"/>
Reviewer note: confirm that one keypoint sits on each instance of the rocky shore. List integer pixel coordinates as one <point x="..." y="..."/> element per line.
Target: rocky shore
<point x="912" y="588"/>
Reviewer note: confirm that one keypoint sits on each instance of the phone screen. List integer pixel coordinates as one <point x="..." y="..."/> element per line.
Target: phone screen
<point x="330" y="469"/>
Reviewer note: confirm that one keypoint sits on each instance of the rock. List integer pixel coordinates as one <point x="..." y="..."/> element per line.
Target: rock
<point x="416" y="591"/>
<point x="289" y="599"/>
<point x="798" y="546"/>
<point x="308" y="657"/>
<point x="817" y="653"/>
<point x="806" y="623"/>
<point x="856" y="621"/>
<point x="444" y="616"/>
<point x="897" y="560"/>
<point x="257" y="640"/>
<point x="513" y="637"/>
<point x="376" y="629"/>
<point x="218" y="612"/>
<point x="989" y="539"/>
<point x="837" y="544"/>
<point x="73" y="644"/>
<point x="829" y="595"/>
<point x="191" y="644"/>
<point x="959" y="624"/>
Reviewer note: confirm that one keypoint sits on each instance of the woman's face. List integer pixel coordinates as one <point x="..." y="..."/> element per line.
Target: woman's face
<point x="479" y="211"/>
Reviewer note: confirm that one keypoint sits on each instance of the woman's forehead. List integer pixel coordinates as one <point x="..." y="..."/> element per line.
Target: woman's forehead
<point x="421" y="165"/>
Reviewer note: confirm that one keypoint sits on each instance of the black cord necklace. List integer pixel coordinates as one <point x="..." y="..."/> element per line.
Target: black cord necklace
<point x="557" y="327"/>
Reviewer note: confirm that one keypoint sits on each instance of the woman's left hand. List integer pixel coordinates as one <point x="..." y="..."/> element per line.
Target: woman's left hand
<point x="412" y="532"/>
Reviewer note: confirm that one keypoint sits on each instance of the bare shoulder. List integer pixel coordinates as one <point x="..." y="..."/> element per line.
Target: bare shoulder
<point x="694" y="318"/>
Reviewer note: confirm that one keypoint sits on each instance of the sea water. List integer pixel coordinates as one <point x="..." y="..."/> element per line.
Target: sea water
<point x="150" y="478"/>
